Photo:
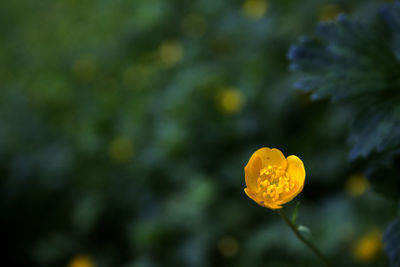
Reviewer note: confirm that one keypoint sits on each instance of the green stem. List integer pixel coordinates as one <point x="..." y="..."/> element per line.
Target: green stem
<point x="305" y="241"/>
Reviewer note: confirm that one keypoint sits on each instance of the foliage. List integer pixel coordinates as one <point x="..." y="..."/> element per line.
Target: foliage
<point x="125" y="127"/>
<point x="391" y="238"/>
<point x="355" y="61"/>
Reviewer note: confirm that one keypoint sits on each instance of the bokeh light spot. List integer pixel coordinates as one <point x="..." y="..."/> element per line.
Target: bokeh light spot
<point x="85" y="69"/>
<point x="81" y="261"/>
<point x="171" y="53"/>
<point x="328" y="12"/>
<point x="136" y="76"/>
<point x="121" y="149"/>
<point x="356" y="185"/>
<point x="368" y="246"/>
<point x="255" y="9"/>
<point x="194" y="25"/>
<point x="230" y="100"/>
<point x="228" y="246"/>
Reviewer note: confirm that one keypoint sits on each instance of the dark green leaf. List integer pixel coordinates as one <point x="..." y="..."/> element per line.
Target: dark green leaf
<point x="391" y="240"/>
<point x="356" y="62"/>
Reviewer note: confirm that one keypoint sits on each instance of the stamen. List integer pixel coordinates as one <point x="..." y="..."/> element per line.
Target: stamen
<point x="273" y="182"/>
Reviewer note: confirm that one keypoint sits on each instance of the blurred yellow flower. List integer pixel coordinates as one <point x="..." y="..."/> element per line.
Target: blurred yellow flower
<point x="255" y="9"/>
<point x="368" y="246"/>
<point x="356" y="185"/>
<point x="228" y="246"/>
<point x="194" y="25"/>
<point x="85" y="69"/>
<point x="272" y="179"/>
<point x="230" y="100"/>
<point x="81" y="261"/>
<point x="121" y="149"/>
<point x="328" y="12"/>
<point x="170" y="53"/>
<point x="136" y="76"/>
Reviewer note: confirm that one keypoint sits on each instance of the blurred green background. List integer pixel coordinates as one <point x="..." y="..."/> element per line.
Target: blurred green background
<point x="125" y="127"/>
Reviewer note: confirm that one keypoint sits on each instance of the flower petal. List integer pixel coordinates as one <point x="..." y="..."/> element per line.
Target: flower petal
<point x="297" y="174"/>
<point x="271" y="157"/>
<point x="272" y="206"/>
<point x="252" y="171"/>
<point x="260" y="201"/>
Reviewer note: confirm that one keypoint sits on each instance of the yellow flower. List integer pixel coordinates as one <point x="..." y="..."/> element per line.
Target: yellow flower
<point x="85" y="69"/>
<point x="272" y="179"/>
<point x="356" y="185"/>
<point x="194" y="25"/>
<point x="368" y="246"/>
<point x="255" y="9"/>
<point x="329" y="12"/>
<point x="170" y="53"/>
<point x="230" y="100"/>
<point x="81" y="261"/>
<point x="228" y="246"/>
<point x="121" y="149"/>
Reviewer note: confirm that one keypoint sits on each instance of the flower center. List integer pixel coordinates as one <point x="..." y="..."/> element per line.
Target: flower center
<point x="273" y="182"/>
